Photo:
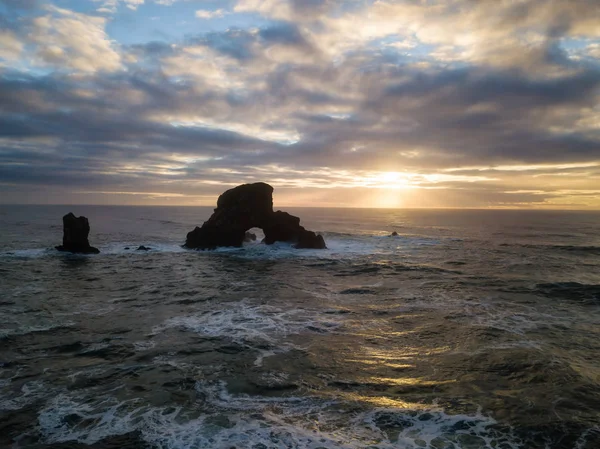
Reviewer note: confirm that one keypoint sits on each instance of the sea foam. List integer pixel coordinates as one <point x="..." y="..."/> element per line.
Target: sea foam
<point x="258" y="422"/>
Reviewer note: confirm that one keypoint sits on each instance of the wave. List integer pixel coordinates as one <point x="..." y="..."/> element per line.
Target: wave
<point x="339" y="245"/>
<point x="225" y="420"/>
<point x="28" y="394"/>
<point x="579" y="249"/>
<point x="260" y="422"/>
<point x="261" y="328"/>
<point x="588" y="294"/>
<point x="30" y="253"/>
<point x="111" y="249"/>
<point x="7" y="334"/>
<point x="157" y="220"/>
<point x="593" y="250"/>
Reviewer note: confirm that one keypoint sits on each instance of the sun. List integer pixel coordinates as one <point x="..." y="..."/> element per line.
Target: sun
<point x="393" y="180"/>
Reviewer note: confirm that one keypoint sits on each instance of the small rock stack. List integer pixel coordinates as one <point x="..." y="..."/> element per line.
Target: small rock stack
<point x="75" y="235"/>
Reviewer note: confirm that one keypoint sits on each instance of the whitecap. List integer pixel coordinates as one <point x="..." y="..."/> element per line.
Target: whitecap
<point x="254" y="325"/>
<point x="225" y="420"/>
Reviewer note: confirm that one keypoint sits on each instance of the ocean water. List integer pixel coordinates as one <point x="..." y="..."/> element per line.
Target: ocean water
<point x="471" y="329"/>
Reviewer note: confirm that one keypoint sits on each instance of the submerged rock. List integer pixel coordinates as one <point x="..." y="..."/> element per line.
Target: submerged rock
<point x="394" y="234"/>
<point x="250" y="206"/>
<point x="143" y="248"/>
<point x="75" y="235"/>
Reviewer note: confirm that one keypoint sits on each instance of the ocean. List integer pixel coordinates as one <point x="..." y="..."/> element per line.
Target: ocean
<point x="471" y="329"/>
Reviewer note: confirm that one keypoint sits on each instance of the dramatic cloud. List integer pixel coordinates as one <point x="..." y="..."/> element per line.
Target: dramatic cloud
<point x="379" y="103"/>
<point x="67" y="40"/>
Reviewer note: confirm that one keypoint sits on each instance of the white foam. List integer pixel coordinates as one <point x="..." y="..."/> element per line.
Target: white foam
<point x="511" y="317"/>
<point x="94" y="309"/>
<point x="109" y="417"/>
<point x="29" y="253"/>
<point x="248" y="421"/>
<point x="254" y="324"/>
<point x="144" y="345"/>
<point x="486" y="312"/>
<point x="581" y="442"/>
<point x="118" y="248"/>
<point x="337" y="247"/>
<point x="87" y="372"/>
<point x="434" y="428"/>
<point x="30" y="392"/>
<point x="244" y="322"/>
<point x="111" y="249"/>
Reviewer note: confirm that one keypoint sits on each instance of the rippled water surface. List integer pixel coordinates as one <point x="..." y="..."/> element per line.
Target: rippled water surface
<point x="472" y="329"/>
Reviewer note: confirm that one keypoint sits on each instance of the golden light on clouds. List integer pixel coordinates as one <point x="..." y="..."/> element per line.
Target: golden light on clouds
<point x="376" y="189"/>
<point x="391" y="103"/>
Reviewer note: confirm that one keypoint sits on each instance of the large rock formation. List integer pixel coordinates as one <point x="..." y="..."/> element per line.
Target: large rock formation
<point x="250" y="206"/>
<point x="75" y="235"/>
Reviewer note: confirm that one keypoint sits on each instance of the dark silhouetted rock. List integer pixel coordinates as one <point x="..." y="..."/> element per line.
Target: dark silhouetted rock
<point x="143" y="248"/>
<point x="394" y="234"/>
<point x="308" y="239"/>
<point x="75" y="235"/>
<point x="250" y="206"/>
<point x="249" y="237"/>
<point x="281" y="227"/>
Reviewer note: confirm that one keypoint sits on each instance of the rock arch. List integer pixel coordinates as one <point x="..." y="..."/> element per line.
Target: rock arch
<point x="250" y="206"/>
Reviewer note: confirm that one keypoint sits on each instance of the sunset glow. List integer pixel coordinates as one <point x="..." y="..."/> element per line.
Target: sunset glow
<point x="396" y="103"/>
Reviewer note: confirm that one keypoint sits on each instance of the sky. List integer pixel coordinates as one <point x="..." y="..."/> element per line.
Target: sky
<point x="356" y="103"/>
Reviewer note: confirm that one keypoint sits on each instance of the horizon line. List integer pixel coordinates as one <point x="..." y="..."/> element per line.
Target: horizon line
<point x="318" y="207"/>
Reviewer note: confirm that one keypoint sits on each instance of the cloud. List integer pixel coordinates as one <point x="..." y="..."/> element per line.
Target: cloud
<point x="523" y="34"/>
<point x="441" y="100"/>
<point x="292" y="10"/>
<point x="111" y="6"/>
<point x="270" y="8"/>
<point x="133" y="4"/>
<point x="65" y="39"/>
<point x="10" y="45"/>
<point x="593" y="50"/>
<point x="205" y="14"/>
